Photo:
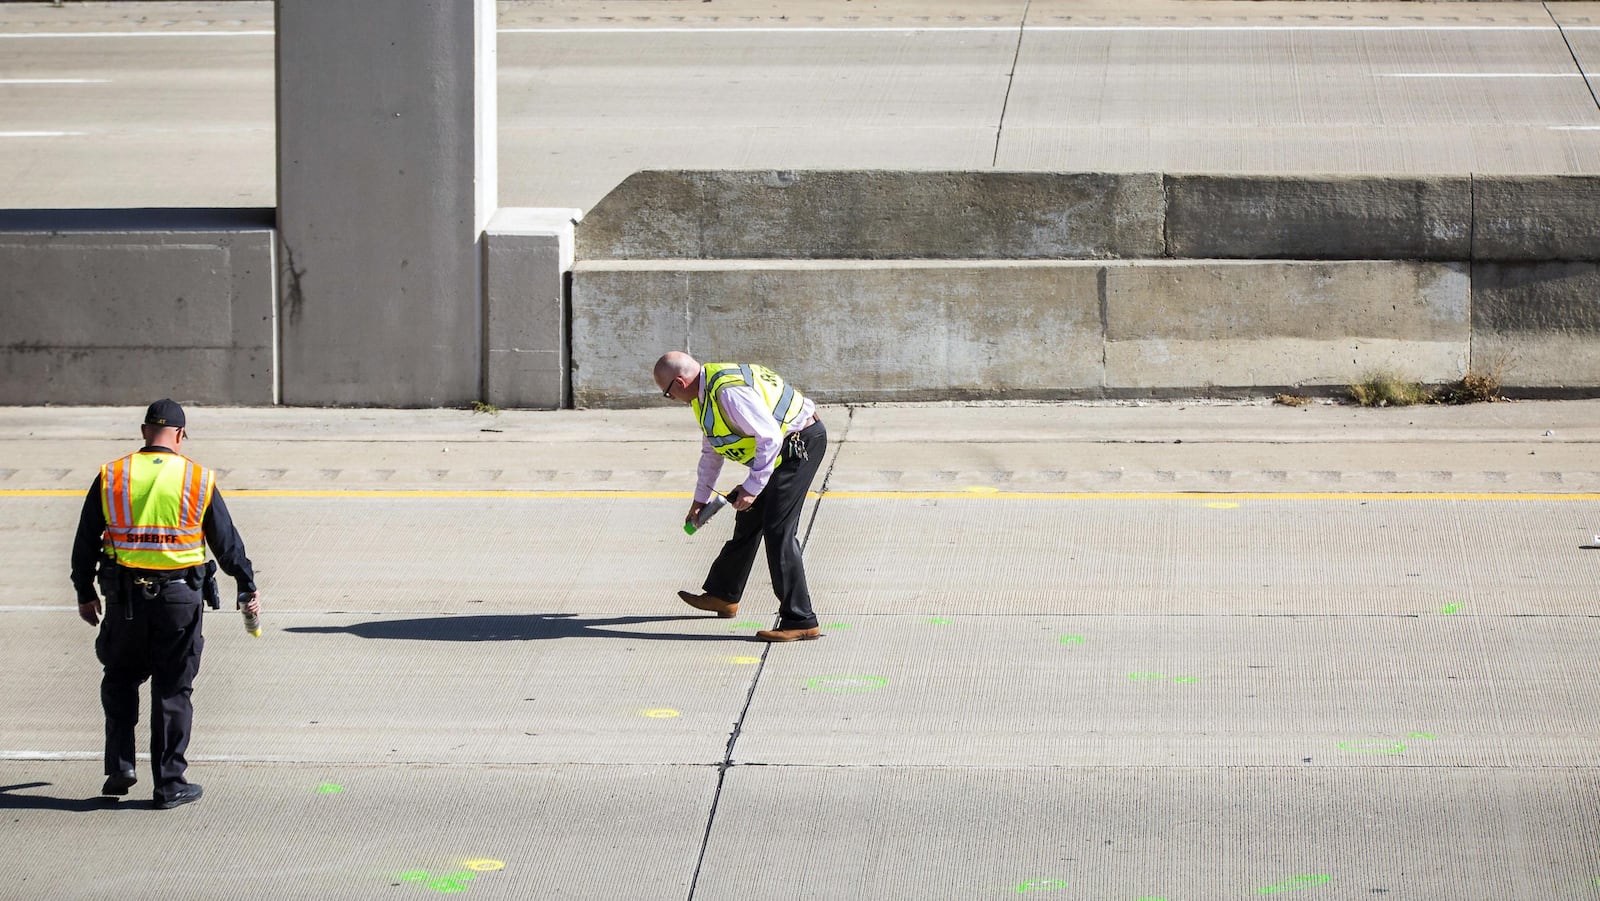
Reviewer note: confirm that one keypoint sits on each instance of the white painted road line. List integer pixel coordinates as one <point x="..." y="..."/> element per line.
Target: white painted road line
<point x="134" y="34"/>
<point x="1480" y="75"/>
<point x="741" y="29"/>
<point x="40" y="134"/>
<point x="846" y="29"/>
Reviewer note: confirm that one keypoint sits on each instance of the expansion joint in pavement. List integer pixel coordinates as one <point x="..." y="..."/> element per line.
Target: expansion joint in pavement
<point x="755" y="679"/>
<point x="1575" y="60"/>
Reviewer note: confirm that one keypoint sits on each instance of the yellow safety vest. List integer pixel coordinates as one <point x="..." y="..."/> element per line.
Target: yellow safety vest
<point x="155" y="508"/>
<point x="781" y="399"/>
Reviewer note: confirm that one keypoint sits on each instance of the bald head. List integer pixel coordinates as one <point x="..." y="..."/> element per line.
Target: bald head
<point x="676" y="373"/>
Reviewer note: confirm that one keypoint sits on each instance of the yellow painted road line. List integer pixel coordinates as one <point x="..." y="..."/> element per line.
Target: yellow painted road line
<point x="988" y="494"/>
<point x="965" y="495"/>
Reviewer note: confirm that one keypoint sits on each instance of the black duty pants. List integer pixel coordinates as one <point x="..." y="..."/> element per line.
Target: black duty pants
<point x="157" y="639"/>
<point x="775" y="517"/>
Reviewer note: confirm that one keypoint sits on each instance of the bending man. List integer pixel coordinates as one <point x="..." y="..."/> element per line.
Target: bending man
<point x="747" y="414"/>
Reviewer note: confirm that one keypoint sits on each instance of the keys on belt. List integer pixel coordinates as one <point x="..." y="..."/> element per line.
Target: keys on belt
<point x="794" y="446"/>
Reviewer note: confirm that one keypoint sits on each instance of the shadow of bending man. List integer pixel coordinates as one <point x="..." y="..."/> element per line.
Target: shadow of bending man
<point x="514" y="627"/>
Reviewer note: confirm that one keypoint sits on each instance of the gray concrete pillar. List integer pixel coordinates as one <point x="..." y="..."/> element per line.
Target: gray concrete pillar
<point x="386" y="181"/>
<point x="527" y="260"/>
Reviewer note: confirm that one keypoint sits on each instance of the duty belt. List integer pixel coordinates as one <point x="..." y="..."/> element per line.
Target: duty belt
<point x="151" y="582"/>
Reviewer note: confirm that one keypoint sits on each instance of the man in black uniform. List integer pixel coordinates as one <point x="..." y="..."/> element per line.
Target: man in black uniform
<point x="145" y="525"/>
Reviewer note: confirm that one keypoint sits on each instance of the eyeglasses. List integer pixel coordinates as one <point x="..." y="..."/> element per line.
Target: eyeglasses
<point x="668" y="393"/>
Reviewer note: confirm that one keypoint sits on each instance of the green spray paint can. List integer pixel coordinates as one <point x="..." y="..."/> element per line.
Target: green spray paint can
<point x="712" y="508"/>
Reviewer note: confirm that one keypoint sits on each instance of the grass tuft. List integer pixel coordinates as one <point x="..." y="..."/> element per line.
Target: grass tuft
<point x="1385" y="389"/>
<point x="1473" y="388"/>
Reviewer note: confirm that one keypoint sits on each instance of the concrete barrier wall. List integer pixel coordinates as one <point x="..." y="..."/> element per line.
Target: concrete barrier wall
<point x="922" y="330"/>
<point x="815" y="215"/>
<point x="872" y="286"/>
<point x="1267" y="325"/>
<point x="1424" y="277"/>
<point x="123" y="306"/>
<point x="1538" y="323"/>
<point x="1319" y="218"/>
<point x="913" y="330"/>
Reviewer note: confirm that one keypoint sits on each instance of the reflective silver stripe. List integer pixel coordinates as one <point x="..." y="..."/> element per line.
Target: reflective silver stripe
<point x="157" y="530"/>
<point x="708" y="420"/>
<point x="146" y="546"/>
<point x="749" y="376"/>
<point x="781" y="411"/>
<point x="709" y="416"/>
<point x="713" y="386"/>
<point x="185" y="509"/>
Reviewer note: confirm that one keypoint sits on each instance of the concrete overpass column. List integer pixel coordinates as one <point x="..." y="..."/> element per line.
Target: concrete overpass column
<point x="386" y="181"/>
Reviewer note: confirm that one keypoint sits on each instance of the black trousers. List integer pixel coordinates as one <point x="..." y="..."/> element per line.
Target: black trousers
<point x="157" y="639"/>
<point x="775" y="518"/>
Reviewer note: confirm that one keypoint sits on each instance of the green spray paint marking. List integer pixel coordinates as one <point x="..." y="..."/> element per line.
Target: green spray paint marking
<point x="938" y="621"/>
<point x="1373" y="747"/>
<point x="1448" y="609"/>
<point x="1041" y="885"/>
<point x="1073" y="639"/>
<point x="846" y="683"/>
<point x="1379" y="746"/>
<point x="455" y="882"/>
<point x="747" y="625"/>
<point x="1289" y="885"/>
<point x="328" y="788"/>
<point x="1157" y="677"/>
<point x="837" y="626"/>
<point x="449" y="885"/>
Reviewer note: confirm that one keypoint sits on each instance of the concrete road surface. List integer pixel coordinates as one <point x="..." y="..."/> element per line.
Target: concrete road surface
<point x="1072" y="651"/>
<point x="171" y="104"/>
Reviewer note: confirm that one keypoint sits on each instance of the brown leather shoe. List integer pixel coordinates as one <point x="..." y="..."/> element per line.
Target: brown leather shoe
<point x="789" y="634"/>
<point x="711" y="604"/>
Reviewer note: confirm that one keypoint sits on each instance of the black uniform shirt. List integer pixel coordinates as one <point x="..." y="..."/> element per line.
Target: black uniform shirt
<point x="88" y="546"/>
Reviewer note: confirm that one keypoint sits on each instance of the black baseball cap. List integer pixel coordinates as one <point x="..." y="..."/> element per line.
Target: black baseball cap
<point x="165" y="413"/>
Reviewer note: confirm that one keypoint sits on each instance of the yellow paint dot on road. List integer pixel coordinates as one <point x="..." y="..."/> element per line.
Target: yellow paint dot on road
<point x="744" y="661"/>
<point x="484" y="865"/>
<point x="661" y="714"/>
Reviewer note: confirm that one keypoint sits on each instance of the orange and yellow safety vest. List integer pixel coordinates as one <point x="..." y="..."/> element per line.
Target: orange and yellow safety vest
<point x="155" y="507"/>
